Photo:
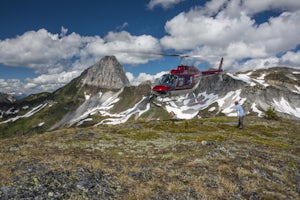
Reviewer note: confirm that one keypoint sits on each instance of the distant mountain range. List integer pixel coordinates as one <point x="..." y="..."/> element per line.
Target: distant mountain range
<point x="102" y="95"/>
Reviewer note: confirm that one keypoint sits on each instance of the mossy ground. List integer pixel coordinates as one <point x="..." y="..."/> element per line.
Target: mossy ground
<point x="194" y="159"/>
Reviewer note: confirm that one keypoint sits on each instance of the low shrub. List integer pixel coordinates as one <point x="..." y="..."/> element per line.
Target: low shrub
<point x="271" y="114"/>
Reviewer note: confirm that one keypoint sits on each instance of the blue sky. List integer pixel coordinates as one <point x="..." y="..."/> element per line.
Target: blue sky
<point x="45" y="44"/>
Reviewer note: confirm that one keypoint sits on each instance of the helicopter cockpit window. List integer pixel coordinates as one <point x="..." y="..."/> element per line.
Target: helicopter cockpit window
<point x="168" y="80"/>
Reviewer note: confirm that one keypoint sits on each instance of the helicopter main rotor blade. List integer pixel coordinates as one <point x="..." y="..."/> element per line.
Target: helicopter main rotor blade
<point x="174" y="55"/>
<point x="154" y="53"/>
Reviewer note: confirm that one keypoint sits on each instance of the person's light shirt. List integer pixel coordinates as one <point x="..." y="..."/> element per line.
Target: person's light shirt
<point x="240" y="110"/>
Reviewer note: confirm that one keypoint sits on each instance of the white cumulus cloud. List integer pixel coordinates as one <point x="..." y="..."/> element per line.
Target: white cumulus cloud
<point x="11" y="86"/>
<point x="229" y="29"/>
<point x="166" y="4"/>
<point x="127" y="48"/>
<point x="142" y="77"/>
<point x="291" y="58"/>
<point x="233" y="8"/>
<point x="40" y="50"/>
<point x="46" y="52"/>
<point x="58" y="58"/>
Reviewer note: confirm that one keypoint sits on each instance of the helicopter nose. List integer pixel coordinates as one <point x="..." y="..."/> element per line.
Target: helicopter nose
<point x="161" y="88"/>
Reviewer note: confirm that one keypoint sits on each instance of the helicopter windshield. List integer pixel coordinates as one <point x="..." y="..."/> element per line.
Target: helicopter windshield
<point x="168" y="80"/>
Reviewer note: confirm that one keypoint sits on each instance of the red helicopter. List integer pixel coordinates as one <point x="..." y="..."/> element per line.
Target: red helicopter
<point x="182" y="80"/>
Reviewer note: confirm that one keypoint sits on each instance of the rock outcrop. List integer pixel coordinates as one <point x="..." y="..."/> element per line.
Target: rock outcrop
<point x="6" y="98"/>
<point x="108" y="73"/>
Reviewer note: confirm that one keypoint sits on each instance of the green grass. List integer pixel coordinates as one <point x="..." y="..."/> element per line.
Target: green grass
<point x="167" y="159"/>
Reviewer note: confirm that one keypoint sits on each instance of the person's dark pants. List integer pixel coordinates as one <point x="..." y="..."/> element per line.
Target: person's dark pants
<point x="241" y="122"/>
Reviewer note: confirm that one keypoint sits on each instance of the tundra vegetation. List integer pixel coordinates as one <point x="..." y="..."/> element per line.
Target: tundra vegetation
<point x="190" y="159"/>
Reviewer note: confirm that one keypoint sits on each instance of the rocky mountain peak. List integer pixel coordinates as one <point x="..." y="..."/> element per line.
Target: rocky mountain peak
<point x="6" y="98"/>
<point x="107" y="73"/>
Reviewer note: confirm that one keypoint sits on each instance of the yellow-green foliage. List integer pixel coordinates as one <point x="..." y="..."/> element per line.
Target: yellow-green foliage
<point x="269" y="143"/>
<point x="138" y="134"/>
<point x="200" y="138"/>
<point x="271" y="114"/>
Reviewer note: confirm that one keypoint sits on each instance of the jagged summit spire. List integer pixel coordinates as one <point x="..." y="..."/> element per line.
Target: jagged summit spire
<point x="106" y="73"/>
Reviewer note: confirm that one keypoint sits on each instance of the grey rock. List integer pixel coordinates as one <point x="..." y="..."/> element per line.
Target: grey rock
<point x="61" y="184"/>
<point x="254" y="196"/>
<point x="6" y="98"/>
<point x="107" y="73"/>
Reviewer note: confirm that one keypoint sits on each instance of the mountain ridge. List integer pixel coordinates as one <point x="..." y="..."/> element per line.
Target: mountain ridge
<point x="95" y="98"/>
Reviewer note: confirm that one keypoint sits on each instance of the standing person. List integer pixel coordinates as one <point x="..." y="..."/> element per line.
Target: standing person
<point x="241" y="115"/>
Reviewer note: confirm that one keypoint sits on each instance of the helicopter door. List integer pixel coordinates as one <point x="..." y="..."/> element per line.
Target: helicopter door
<point x="188" y="80"/>
<point x="180" y="81"/>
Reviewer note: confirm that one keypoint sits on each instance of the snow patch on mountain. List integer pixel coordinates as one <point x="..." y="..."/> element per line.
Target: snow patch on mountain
<point x="125" y="115"/>
<point x="251" y="81"/>
<point x="98" y="103"/>
<point x="87" y="96"/>
<point x="41" y="124"/>
<point x="261" y="80"/>
<point x="25" y="107"/>
<point x="85" y="120"/>
<point x="226" y="104"/>
<point x="255" y="109"/>
<point x="212" y="109"/>
<point x="187" y="106"/>
<point x="285" y="107"/>
<point x="12" y="111"/>
<point x="243" y="77"/>
<point x="101" y="104"/>
<point x="28" y="114"/>
<point x="297" y="89"/>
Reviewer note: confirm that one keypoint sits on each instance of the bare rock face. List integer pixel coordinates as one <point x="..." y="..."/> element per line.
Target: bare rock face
<point x="108" y="73"/>
<point x="6" y="98"/>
